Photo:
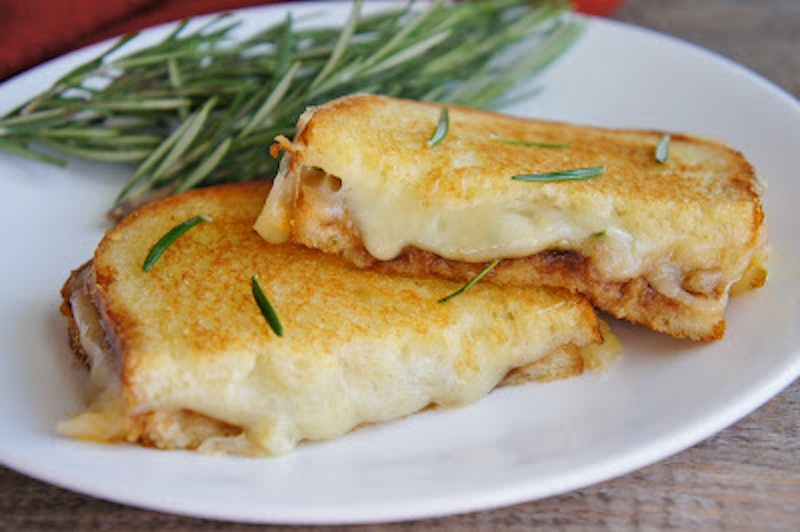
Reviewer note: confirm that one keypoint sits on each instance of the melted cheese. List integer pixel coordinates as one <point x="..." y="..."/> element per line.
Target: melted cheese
<point x="389" y="219"/>
<point x="390" y="222"/>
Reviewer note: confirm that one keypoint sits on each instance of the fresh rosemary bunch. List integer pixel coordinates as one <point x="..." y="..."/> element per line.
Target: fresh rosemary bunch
<point x="201" y="106"/>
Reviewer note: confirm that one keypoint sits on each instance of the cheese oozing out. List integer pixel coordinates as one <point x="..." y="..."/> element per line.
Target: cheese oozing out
<point x="389" y="220"/>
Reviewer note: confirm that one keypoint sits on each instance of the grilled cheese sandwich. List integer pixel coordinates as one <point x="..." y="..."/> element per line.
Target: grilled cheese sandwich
<point x="180" y="356"/>
<point x="661" y="244"/>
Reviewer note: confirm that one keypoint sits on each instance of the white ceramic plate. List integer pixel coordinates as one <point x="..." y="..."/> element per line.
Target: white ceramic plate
<point x="520" y="443"/>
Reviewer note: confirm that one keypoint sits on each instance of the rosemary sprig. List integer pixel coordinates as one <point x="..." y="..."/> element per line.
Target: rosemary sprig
<point x="442" y="128"/>
<point x="167" y="240"/>
<point x="472" y="281"/>
<point x="662" y="150"/>
<point x="184" y="97"/>
<point x="266" y="307"/>
<point x="532" y="144"/>
<point x="564" y="175"/>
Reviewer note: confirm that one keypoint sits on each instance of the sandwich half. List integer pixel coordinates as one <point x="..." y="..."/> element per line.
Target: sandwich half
<point x="181" y="355"/>
<point x="660" y="239"/>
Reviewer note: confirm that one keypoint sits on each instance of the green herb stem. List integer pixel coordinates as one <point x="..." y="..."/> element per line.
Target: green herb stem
<point x="266" y="307"/>
<point x="169" y="238"/>
<point x="442" y="128"/>
<point x="472" y="281"/>
<point x="662" y="150"/>
<point x="532" y="144"/>
<point x="564" y="175"/>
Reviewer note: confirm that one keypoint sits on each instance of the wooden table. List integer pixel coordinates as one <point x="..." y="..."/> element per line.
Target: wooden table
<point x="746" y="477"/>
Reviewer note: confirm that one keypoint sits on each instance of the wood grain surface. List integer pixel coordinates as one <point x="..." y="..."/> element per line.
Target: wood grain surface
<point x="745" y="478"/>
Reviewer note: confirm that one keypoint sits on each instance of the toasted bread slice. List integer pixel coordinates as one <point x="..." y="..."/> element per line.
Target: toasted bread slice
<point x="181" y="356"/>
<point x="659" y="244"/>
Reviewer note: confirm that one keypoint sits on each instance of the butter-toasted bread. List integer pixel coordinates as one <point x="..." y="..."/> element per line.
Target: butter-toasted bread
<point x="657" y="243"/>
<point x="181" y="356"/>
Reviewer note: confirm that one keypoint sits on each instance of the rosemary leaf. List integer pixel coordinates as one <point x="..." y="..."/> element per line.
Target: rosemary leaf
<point x="206" y="166"/>
<point x="23" y="131"/>
<point x="171" y="236"/>
<point x="285" y="49"/>
<point x="104" y="155"/>
<point x="399" y="36"/>
<point x="564" y="175"/>
<point x="341" y="44"/>
<point x="32" y="117"/>
<point x="530" y="143"/>
<point x="24" y="151"/>
<point x="153" y="159"/>
<point x="115" y="141"/>
<point x="442" y="128"/>
<point x="159" y="104"/>
<point x="472" y="281"/>
<point x="85" y="70"/>
<point x="178" y="29"/>
<point x="174" y="73"/>
<point x="408" y="54"/>
<point x="266" y="307"/>
<point x="274" y="98"/>
<point x="193" y="127"/>
<point x="662" y="150"/>
<point x="81" y="133"/>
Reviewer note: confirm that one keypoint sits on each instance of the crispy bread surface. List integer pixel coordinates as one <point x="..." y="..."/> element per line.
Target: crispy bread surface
<point x="195" y="365"/>
<point x="656" y="244"/>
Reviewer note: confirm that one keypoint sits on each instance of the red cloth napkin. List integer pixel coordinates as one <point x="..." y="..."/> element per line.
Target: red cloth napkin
<point x="36" y="30"/>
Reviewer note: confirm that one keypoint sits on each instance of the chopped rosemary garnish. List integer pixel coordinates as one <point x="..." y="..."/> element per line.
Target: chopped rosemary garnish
<point x="210" y="83"/>
<point x="472" y="281"/>
<point x="442" y="128"/>
<point x="266" y="307"/>
<point x="532" y="144"/>
<point x="172" y="235"/>
<point x="662" y="150"/>
<point x="565" y="175"/>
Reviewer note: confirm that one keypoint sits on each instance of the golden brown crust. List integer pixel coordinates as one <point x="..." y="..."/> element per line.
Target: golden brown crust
<point x="628" y="151"/>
